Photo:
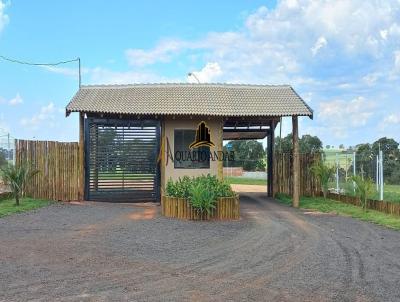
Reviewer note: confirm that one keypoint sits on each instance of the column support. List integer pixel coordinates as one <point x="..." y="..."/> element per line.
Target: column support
<point x="270" y="159"/>
<point x="81" y="156"/>
<point x="296" y="163"/>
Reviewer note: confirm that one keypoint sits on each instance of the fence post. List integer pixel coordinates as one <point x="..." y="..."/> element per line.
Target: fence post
<point x="381" y="173"/>
<point x="337" y="173"/>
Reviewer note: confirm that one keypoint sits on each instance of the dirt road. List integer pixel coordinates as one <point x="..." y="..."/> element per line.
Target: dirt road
<point x="117" y="252"/>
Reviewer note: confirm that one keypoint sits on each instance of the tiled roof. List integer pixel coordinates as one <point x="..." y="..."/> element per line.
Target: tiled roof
<point x="190" y="99"/>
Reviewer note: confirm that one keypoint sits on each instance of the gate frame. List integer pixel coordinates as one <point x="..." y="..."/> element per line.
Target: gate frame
<point x="123" y="122"/>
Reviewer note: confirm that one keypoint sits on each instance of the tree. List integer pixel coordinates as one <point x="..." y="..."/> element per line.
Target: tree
<point x="391" y="157"/>
<point x="249" y="154"/>
<point x="328" y="147"/>
<point x="364" y="157"/>
<point x="307" y="144"/>
<point x="310" y="144"/>
<point x="16" y="177"/>
<point x="341" y="146"/>
<point x="284" y="144"/>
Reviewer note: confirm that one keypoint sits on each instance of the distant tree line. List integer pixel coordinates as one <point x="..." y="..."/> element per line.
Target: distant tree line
<point x="249" y="154"/>
<point x="365" y="155"/>
<point x="307" y="144"/>
<point x="366" y="159"/>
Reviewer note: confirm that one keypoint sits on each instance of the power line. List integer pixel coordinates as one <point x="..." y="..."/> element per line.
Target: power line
<point x="47" y="64"/>
<point x="38" y="64"/>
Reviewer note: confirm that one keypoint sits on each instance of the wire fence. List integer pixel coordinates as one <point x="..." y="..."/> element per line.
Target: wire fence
<point x="7" y="148"/>
<point x="378" y="167"/>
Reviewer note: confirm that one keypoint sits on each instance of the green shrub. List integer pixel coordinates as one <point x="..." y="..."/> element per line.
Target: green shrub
<point x="324" y="174"/>
<point x="364" y="189"/>
<point x="16" y="177"/>
<point x="202" y="199"/>
<point x="202" y="192"/>
<point x="180" y="188"/>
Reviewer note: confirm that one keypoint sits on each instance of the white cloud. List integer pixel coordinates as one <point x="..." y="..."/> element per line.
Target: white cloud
<point x="46" y="115"/>
<point x="355" y="112"/>
<point x="390" y="124"/>
<point x="371" y="78"/>
<point x="396" y="55"/>
<point x="341" y="50"/>
<point x="393" y="118"/>
<point x="107" y="76"/>
<point x="319" y="44"/>
<point x="278" y="45"/>
<point x="340" y="117"/>
<point x="16" y="101"/>
<point x="207" y="74"/>
<point x="12" y="102"/>
<point x="163" y="52"/>
<point x="4" y="18"/>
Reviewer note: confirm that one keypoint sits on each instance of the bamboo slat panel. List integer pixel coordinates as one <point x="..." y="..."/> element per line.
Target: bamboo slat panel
<point x="282" y="176"/>
<point x="227" y="208"/>
<point x="377" y="205"/>
<point x="59" y="165"/>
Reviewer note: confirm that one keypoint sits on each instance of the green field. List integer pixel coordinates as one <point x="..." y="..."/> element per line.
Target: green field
<point x="332" y="206"/>
<point x="238" y="180"/>
<point x="345" y="159"/>
<point x="7" y="206"/>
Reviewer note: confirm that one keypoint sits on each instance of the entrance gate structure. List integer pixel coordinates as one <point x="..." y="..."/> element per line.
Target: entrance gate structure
<point x="121" y="160"/>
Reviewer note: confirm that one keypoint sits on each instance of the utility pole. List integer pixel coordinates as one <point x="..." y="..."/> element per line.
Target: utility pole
<point x="354" y="170"/>
<point x="381" y="173"/>
<point x="377" y="176"/>
<point x="79" y="71"/>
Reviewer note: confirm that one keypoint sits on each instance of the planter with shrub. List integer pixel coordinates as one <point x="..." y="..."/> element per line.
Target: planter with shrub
<point x="200" y="198"/>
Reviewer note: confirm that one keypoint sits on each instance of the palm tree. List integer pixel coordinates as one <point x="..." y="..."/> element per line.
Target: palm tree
<point x="364" y="189"/>
<point x="324" y="174"/>
<point x="16" y="178"/>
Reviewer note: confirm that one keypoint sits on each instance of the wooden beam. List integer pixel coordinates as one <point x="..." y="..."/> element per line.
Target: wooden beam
<point x="81" y="156"/>
<point x="296" y="162"/>
<point x="270" y="162"/>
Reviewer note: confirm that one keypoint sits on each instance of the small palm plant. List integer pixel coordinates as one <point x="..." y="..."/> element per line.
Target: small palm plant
<point x="364" y="189"/>
<point x="324" y="174"/>
<point x="16" y="178"/>
<point x="202" y="199"/>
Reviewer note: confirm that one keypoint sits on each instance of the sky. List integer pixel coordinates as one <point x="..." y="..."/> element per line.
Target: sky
<point x="342" y="57"/>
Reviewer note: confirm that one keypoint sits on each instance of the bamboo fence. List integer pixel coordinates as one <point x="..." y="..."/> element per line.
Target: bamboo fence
<point x="387" y="207"/>
<point x="282" y="176"/>
<point x="227" y="208"/>
<point x="60" y="168"/>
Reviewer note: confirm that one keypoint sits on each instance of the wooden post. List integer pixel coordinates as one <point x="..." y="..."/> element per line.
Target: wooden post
<point x="81" y="156"/>
<point x="270" y="162"/>
<point x="296" y="163"/>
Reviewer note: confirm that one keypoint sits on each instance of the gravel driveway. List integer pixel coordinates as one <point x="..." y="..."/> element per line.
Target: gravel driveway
<point x="117" y="252"/>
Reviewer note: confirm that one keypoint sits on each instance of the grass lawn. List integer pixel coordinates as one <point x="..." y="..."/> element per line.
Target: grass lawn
<point x="332" y="206"/>
<point x="237" y="180"/>
<point x="7" y="206"/>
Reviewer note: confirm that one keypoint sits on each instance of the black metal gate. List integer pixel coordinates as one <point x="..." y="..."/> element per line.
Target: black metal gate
<point x="121" y="160"/>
